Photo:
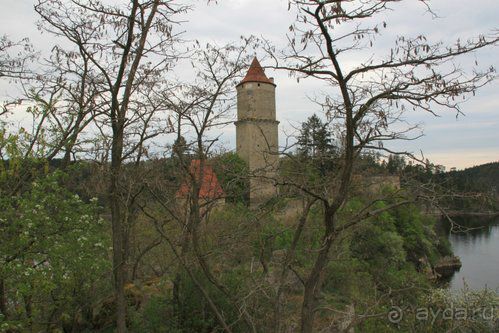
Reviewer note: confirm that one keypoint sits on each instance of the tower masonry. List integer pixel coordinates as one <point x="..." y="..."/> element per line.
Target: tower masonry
<point x="257" y="131"/>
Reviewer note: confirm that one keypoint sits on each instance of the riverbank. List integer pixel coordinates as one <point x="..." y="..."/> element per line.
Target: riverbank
<point x="462" y="214"/>
<point x="472" y="214"/>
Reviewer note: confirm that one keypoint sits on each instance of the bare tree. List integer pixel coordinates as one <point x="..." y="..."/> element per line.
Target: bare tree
<point x="363" y="102"/>
<point x="200" y="108"/>
<point x="129" y="44"/>
<point x="69" y="96"/>
<point x="15" y="57"/>
<point x="14" y="65"/>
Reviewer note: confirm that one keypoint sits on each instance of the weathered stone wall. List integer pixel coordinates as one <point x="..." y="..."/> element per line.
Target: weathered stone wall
<point x="373" y="184"/>
<point x="256" y="100"/>
<point x="377" y="183"/>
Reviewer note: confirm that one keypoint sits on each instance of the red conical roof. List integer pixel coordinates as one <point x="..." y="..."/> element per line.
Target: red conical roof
<point x="256" y="74"/>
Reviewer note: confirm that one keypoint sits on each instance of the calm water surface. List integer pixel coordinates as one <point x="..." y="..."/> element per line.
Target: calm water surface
<point x="479" y="253"/>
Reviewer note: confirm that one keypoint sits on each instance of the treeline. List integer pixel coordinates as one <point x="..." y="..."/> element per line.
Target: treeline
<point x="474" y="189"/>
<point x="482" y="178"/>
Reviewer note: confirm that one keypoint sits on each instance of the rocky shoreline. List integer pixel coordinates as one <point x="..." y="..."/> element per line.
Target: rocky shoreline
<point x="446" y="266"/>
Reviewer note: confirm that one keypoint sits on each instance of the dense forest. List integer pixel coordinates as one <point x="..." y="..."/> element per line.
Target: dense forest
<point x="481" y="183"/>
<point x="472" y="190"/>
<point x="481" y="178"/>
<point x="121" y="211"/>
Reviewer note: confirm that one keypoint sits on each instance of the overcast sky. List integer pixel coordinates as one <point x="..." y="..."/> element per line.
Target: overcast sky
<point x="454" y="142"/>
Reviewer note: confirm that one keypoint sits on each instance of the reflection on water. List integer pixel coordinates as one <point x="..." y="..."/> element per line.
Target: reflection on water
<point x="479" y="253"/>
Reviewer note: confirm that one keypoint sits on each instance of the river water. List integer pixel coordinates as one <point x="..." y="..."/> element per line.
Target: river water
<point x="479" y="253"/>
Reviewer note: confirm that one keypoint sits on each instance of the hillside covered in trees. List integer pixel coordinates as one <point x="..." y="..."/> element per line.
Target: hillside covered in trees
<point x="481" y="178"/>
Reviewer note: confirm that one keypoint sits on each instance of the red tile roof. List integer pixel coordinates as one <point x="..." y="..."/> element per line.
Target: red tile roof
<point x="256" y="74"/>
<point x="210" y="187"/>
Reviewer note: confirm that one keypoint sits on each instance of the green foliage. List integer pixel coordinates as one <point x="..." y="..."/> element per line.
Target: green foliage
<point x="401" y="232"/>
<point x="349" y="279"/>
<point x="381" y="257"/>
<point x="480" y="178"/>
<point x="472" y="310"/>
<point x="441" y="310"/>
<point x="16" y="163"/>
<point x="54" y="251"/>
<point x="315" y="139"/>
<point x="379" y="246"/>
<point x="476" y="188"/>
<point x="155" y="317"/>
<point x="482" y="182"/>
<point x="395" y="164"/>
<point x="230" y="232"/>
<point x="232" y="173"/>
<point x="422" y="234"/>
<point x="316" y="150"/>
<point x="189" y="312"/>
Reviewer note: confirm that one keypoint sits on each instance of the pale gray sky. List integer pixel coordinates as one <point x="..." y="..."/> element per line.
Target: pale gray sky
<point x="462" y="142"/>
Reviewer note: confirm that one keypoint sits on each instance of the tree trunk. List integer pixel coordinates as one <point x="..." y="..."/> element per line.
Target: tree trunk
<point x="313" y="284"/>
<point x="290" y="255"/>
<point x="177" y="302"/>
<point x="119" y="242"/>
<point x="3" y="299"/>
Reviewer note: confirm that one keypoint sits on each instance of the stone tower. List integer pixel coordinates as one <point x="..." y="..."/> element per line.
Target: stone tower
<point x="256" y="131"/>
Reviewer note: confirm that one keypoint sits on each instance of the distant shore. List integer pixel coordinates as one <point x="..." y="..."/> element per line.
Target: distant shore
<point x="456" y="213"/>
<point x="472" y="214"/>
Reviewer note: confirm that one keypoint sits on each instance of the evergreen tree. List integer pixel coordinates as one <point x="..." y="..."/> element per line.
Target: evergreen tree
<point x="315" y="139"/>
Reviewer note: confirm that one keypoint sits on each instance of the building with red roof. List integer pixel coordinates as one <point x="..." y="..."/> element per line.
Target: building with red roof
<point x="210" y="188"/>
